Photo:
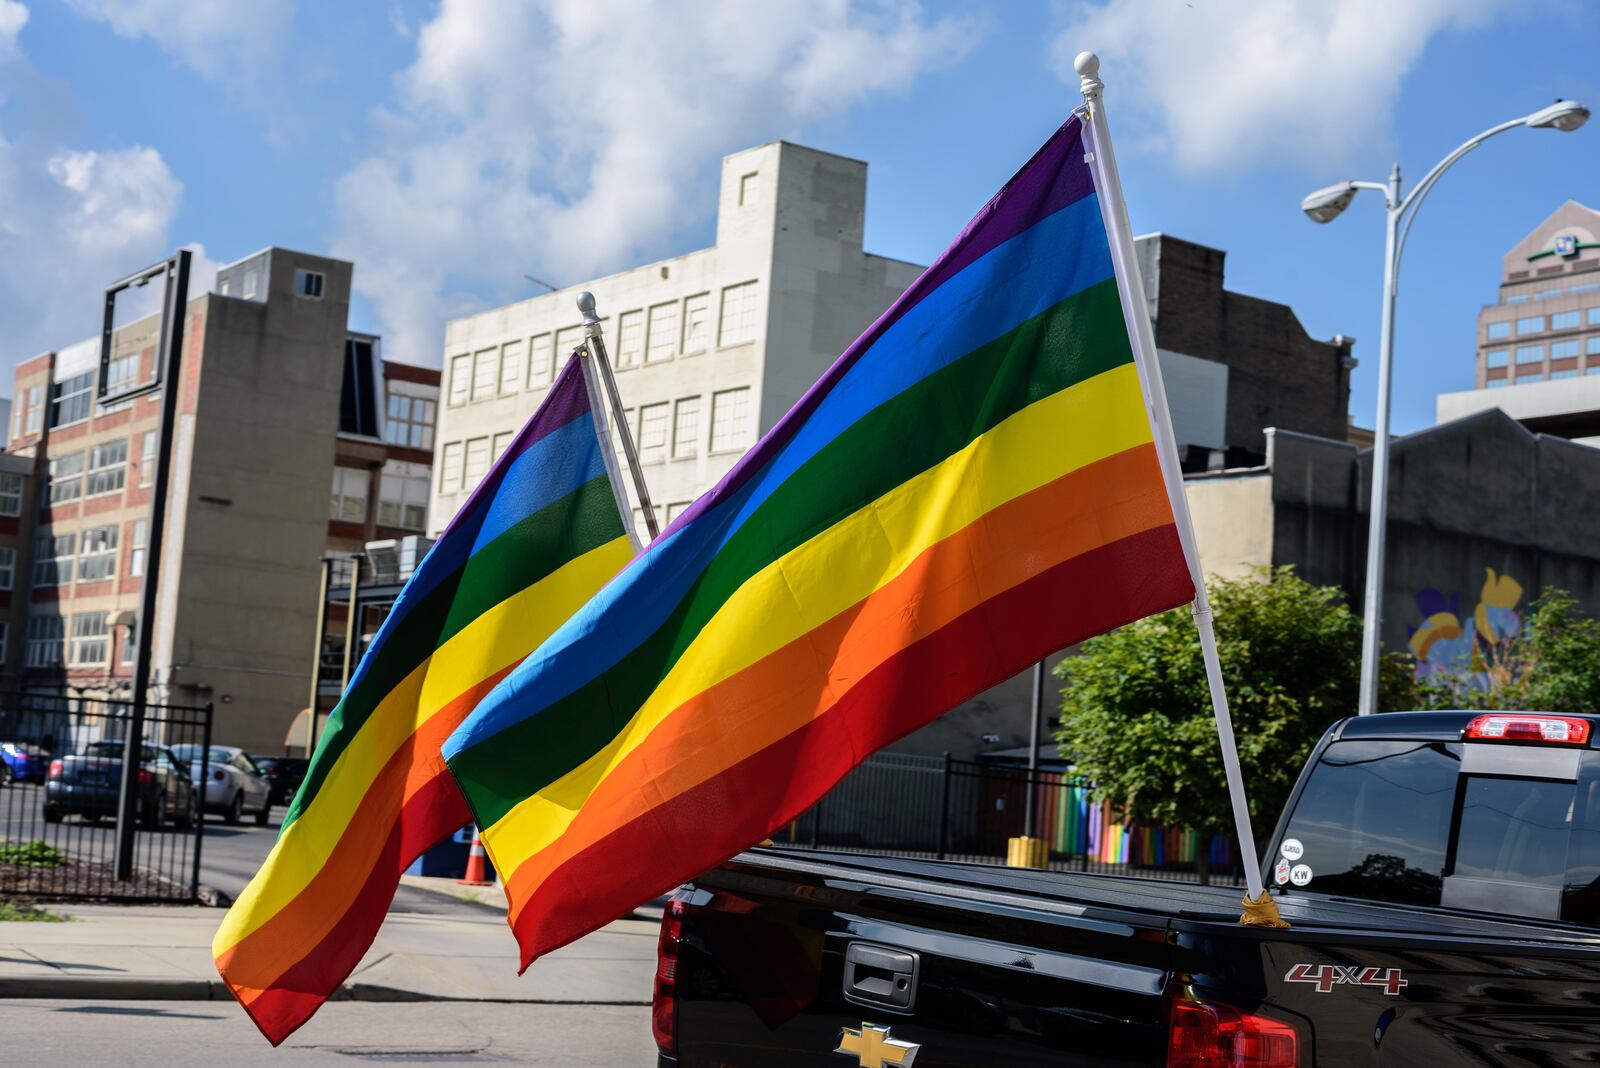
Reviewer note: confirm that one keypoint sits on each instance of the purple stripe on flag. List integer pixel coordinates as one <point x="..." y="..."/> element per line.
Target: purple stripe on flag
<point x="1055" y="177"/>
<point x="567" y="399"/>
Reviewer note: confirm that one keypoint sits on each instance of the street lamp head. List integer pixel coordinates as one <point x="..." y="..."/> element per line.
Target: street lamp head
<point x="1325" y="204"/>
<point x="1563" y="115"/>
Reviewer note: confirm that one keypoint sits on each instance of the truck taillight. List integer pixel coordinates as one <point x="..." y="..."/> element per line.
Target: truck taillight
<point x="1208" y="1034"/>
<point x="664" y="1001"/>
<point x="55" y="769"/>
<point x="1558" y="730"/>
<point x="145" y="779"/>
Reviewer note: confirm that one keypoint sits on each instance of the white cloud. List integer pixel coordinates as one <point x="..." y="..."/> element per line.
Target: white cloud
<point x="13" y="16"/>
<point x="568" y="138"/>
<point x="1232" y="82"/>
<point x="71" y="221"/>
<point x="230" y="42"/>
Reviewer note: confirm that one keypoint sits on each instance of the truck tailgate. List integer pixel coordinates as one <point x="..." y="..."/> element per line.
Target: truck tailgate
<point x="776" y="965"/>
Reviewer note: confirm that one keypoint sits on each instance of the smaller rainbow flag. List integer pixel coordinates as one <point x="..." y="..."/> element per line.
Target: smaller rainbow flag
<point x="542" y="532"/>
<point x="971" y="486"/>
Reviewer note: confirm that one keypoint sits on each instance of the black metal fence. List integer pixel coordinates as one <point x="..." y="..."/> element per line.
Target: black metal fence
<point x="919" y="806"/>
<point x="60" y="778"/>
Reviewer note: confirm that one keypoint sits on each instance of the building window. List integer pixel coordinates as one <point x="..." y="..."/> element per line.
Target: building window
<point x="308" y="283"/>
<point x="1567" y="320"/>
<point x="738" y="315"/>
<point x="1530" y="353"/>
<point x="108" y="467"/>
<point x="663" y="332"/>
<point x="749" y="185"/>
<point x="1545" y="294"/>
<point x="10" y="494"/>
<point x="98" y="557"/>
<point x="686" y="428"/>
<point x="485" y="369"/>
<point x="512" y="358"/>
<point x="53" y="557"/>
<point x="1531" y="325"/>
<point x="403" y="496"/>
<point x="630" y="339"/>
<point x="46" y="636"/>
<point x="1592" y="315"/>
<point x="1494" y="331"/>
<point x="477" y="461"/>
<point x="1496" y="383"/>
<point x="1590" y="345"/>
<point x="450" y="467"/>
<point x="1560" y="350"/>
<point x="409" y="422"/>
<point x="460" y="379"/>
<point x="90" y="636"/>
<point x="121" y="372"/>
<point x="66" y="478"/>
<point x="1530" y="374"/>
<point x="696" y="325"/>
<point x="349" y="495"/>
<point x="147" y="459"/>
<point x="677" y="508"/>
<point x="567" y="340"/>
<point x="653" y="423"/>
<point x="502" y="441"/>
<point x="8" y="568"/>
<point x="730" y="419"/>
<point x="130" y="644"/>
<point x="69" y="400"/>
<point x="138" y="547"/>
<point x="33" y="408"/>
<point x="1495" y="357"/>
<point x="1564" y="374"/>
<point x="1587" y="287"/>
<point x="538" y="361"/>
<point x="1517" y="298"/>
<point x="251" y="278"/>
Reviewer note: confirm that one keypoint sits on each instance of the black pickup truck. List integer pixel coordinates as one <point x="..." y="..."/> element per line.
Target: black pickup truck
<point x="1441" y="872"/>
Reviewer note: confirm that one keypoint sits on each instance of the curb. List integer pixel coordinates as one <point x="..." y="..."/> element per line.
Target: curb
<point x="102" y="988"/>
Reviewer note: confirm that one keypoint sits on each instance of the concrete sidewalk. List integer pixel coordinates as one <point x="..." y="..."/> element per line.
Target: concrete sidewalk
<point x="164" y="953"/>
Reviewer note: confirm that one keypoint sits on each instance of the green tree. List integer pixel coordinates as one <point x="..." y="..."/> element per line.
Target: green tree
<point x="1552" y="665"/>
<point x="1136" y="714"/>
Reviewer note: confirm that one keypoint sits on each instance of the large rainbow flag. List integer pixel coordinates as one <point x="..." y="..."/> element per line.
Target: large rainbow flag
<point x="539" y="536"/>
<point x="970" y="487"/>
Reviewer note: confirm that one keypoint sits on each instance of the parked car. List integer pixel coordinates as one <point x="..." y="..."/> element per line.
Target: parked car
<point x="284" y="773"/>
<point x="89" y="785"/>
<point x="233" y="783"/>
<point x="23" y="762"/>
<point x="1441" y="872"/>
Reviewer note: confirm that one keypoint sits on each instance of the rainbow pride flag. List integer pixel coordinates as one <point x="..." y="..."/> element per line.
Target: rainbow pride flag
<point x="970" y="487"/>
<point x="540" y="535"/>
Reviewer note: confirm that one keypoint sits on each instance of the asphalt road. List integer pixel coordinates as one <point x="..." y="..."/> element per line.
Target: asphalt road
<point x="343" y="1033"/>
<point x="229" y="855"/>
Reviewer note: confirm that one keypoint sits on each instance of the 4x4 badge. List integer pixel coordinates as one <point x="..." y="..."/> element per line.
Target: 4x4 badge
<point x="873" y="1047"/>
<point x="1327" y="976"/>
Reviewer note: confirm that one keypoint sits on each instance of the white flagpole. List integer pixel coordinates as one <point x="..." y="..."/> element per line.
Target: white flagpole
<point x="1142" y="336"/>
<point x="603" y="386"/>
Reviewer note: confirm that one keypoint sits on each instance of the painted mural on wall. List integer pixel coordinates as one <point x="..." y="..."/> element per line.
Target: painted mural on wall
<point x="1471" y="649"/>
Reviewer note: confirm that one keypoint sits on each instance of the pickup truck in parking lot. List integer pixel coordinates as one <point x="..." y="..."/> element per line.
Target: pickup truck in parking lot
<point x="1441" y="873"/>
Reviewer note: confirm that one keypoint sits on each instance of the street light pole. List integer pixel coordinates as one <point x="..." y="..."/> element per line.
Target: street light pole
<point x="1325" y="205"/>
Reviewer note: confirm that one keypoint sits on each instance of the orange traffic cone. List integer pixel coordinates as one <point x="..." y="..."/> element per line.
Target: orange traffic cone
<point x="477" y="864"/>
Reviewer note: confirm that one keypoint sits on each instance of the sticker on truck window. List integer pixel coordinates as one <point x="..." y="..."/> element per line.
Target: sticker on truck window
<point x="1280" y="872"/>
<point x="1292" y="850"/>
<point x="1327" y="976"/>
<point x="1300" y="874"/>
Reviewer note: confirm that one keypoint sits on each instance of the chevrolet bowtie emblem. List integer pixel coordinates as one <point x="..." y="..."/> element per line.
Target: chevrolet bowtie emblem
<point x="873" y="1047"/>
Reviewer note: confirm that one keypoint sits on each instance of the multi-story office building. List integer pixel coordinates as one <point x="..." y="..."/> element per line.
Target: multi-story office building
<point x="277" y="400"/>
<point x="1540" y="344"/>
<point x="710" y="348"/>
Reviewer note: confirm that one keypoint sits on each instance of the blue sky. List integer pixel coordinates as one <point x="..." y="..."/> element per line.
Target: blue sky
<point x="448" y="147"/>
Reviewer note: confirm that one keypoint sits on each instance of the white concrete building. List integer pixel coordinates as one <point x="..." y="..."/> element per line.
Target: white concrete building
<point x="710" y="348"/>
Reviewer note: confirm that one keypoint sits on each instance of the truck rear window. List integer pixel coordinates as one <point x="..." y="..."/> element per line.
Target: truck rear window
<point x="1399" y="821"/>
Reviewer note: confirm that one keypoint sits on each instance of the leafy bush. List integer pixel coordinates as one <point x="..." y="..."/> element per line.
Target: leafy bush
<point x="35" y="854"/>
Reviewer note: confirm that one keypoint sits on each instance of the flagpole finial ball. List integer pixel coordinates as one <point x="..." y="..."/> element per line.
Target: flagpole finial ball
<point x="1087" y="64"/>
<point x="586" y="306"/>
